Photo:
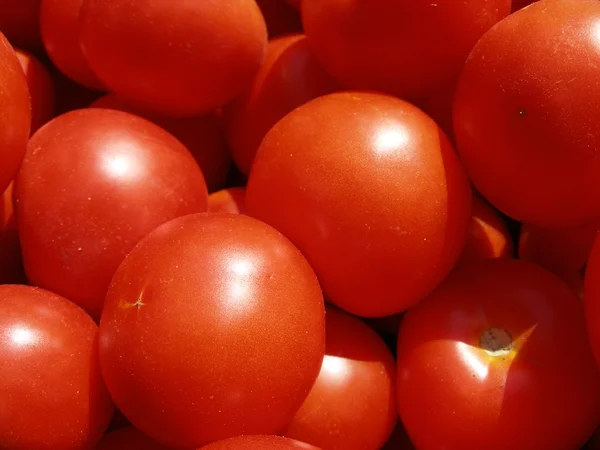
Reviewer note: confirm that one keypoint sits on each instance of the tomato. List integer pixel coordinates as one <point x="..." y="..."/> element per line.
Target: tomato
<point x="213" y="327"/>
<point x="352" y="403"/>
<point x="11" y="266"/>
<point x="16" y="122"/>
<point x="290" y="77"/>
<point x="497" y="358"/>
<point x="592" y="298"/>
<point x="203" y="136"/>
<point x="60" y="33"/>
<point x="259" y="442"/>
<point x="128" y="438"/>
<point x="410" y="49"/>
<point x="41" y="89"/>
<point x="53" y="396"/>
<point x="19" y="22"/>
<point x="531" y="146"/>
<point x="343" y="177"/>
<point x="188" y="69"/>
<point x="280" y="17"/>
<point x="229" y="200"/>
<point x="93" y="183"/>
<point x="520" y="4"/>
<point x="488" y="236"/>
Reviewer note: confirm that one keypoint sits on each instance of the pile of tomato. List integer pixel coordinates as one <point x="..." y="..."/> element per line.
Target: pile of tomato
<point x="299" y="225"/>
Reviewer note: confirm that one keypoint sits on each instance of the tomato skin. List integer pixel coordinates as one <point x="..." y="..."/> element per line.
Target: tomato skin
<point x="541" y="394"/>
<point x="327" y="176"/>
<point x="128" y="438"/>
<point x="93" y="183"/>
<point x="192" y="288"/>
<point x="11" y="264"/>
<point x="53" y="393"/>
<point x="231" y="200"/>
<point x="280" y="17"/>
<point x="203" y="136"/>
<point x="60" y="33"/>
<point x="407" y="49"/>
<point x="228" y="37"/>
<point x="290" y="77"/>
<point x="533" y="135"/>
<point x="261" y="442"/>
<point x="352" y="403"/>
<point x="19" y="22"/>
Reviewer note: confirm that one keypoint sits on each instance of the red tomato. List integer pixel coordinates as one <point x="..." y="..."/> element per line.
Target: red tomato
<point x="19" y="22"/>
<point x="522" y="114"/>
<point x="213" y="327"/>
<point x="16" y="122"/>
<point x="128" y="438"/>
<point x="59" y="28"/>
<point x="410" y="49"/>
<point x="592" y="298"/>
<point x="290" y="77"/>
<point x="557" y="249"/>
<point x="11" y="266"/>
<point x="497" y="358"/>
<point x="280" y="17"/>
<point x="203" y="136"/>
<point x="343" y="177"/>
<point x="259" y="443"/>
<point x="41" y="89"/>
<point x="228" y="201"/>
<point x="488" y="236"/>
<point x="184" y="70"/>
<point x="93" y="183"/>
<point x="352" y="403"/>
<point x="53" y="396"/>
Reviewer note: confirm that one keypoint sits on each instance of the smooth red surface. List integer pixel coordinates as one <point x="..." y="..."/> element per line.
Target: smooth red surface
<point x="11" y="265"/>
<point x="231" y="200"/>
<point x="128" y="438"/>
<point x="192" y="68"/>
<point x="213" y="327"/>
<point x="19" y="22"/>
<point x="59" y="25"/>
<point x="16" y="122"/>
<point x="53" y="396"/>
<point x="541" y="394"/>
<point x="371" y="191"/>
<point x="532" y="148"/>
<point x="280" y="17"/>
<point x="93" y="183"/>
<point x="203" y="136"/>
<point x="352" y="405"/>
<point x="260" y="442"/>
<point x="41" y="89"/>
<point x="290" y="77"/>
<point x="488" y="236"/>
<point x="410" y="49"/>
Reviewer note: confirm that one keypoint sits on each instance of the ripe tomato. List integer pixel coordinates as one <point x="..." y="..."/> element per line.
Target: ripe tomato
<point x="11" y="266"/>
<point x="371" y="192"/>
<point x="229" y="200"/>
<point x="203" y="136"/>
<point x="352" y="403"/>
<point x="290" y="77"/>
<point x="259" y="443"/>
<point x="128" y="438"/>
<point x="184" y="70"/>
<point x="488" y="236"/>
<point x="60" y="33"/>
<point x="19" y="22"/>
<point x="16" y="123"/>
<point x="410" y="49"/>
<point x="41" y="89"/>
<point x="213" y="327"/>
<point x="280" y="17"/>
<point x="531" y="147"/>
<point x="53" y="396"/>
<point x="497" y="358"/>
<point x="93" y="183"/>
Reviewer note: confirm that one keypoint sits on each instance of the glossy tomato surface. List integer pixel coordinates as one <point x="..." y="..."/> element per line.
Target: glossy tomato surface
<point x="497" y="358"/>
<point x="371" y="191"/>
<point x="203" y="136"/>
<point x="93" y="183"/>
<point x="213" y="327"/>
<point x="59" y="25"/>
<point x="11" y="265"/>
<point x="19" y="22"/>
<point x="230" y="200"/>
<point x="262" y="442"/>
<point x="188" y="69"/>
<point x="53" y="396"/>
<point x="352" y="405"/>
<point x="128" y="438"/>
<point x="16" y="124"/>
<point x="290" y="77"/>
<point x="532" y="148"/>
<point x="410" y="49"/>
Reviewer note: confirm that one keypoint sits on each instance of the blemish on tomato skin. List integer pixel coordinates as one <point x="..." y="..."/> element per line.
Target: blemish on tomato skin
<point x="522" y="112"/>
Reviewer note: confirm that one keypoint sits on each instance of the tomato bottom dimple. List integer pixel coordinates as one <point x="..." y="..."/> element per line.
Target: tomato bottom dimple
<point x="496" y="341"/>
